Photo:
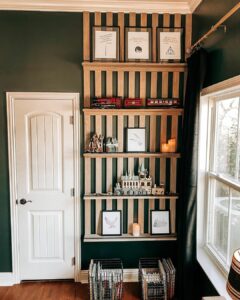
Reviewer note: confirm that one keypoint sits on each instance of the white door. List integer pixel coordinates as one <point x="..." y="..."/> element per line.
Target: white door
<point x="45" y="178"/>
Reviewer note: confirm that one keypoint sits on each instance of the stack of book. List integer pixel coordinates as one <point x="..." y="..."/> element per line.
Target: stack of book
<point x="105" y="279"/>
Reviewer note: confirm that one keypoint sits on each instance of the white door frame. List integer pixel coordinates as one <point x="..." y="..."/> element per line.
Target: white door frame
<point x="10" y="98"/>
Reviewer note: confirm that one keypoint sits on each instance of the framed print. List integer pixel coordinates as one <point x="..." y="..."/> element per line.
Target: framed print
<point x="137" y="44"/>
<point x="160" y="222"/>
<point x="111" y="222"/>
<point x="105" y="43"/>
<point x="136" y="139"/>
<point x="169" y="44"/>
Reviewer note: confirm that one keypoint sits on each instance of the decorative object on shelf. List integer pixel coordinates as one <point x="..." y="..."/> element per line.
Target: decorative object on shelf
<point x="169" y="44"/>
<point x="138" y="44"/>
<point x="96" y="143"/>
<point x="233" y="283"/>
<point x="106" y="103"/>
<point x="160" y="222"/>
<point x="170" y="146"/>
<point x="163" y="102"/>
<point x="111" y="145"/>
<point x="105" y="279"/>
<point x="132" y="102"/>
<point x="136" y="139"/>
<point x="158" y="190"/>
<point x="136" y="229"/>
<point x="134" y="185"/>
<point x="111" y="222"/>
<point x="105" y="43"/>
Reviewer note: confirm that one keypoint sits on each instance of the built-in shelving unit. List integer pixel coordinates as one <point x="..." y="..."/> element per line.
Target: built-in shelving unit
<point x="103" y="170"/>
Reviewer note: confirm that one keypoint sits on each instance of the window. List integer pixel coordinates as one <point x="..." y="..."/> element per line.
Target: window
<point x="219" y="175"/>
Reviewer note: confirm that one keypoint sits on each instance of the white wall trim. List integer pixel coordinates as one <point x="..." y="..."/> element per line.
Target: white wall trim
<point x="11" y="97"/>
<point x="153" y="6"/>
<point x="7" y="279"/>
<point x="129" y="275"/>
<point x="221" y="86"/>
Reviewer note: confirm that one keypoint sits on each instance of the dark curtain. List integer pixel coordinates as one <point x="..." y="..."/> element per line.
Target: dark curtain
<point x="188" y="202"/>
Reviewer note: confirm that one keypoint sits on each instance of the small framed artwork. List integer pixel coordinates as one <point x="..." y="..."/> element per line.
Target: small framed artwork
<point x="111" y="222"/>
<point x="160" y="222"/>
<point x="105" y="43"/>
<point x="137" y="44"/>
<point x="136" y="139"/>
<point x="169" y="41"/>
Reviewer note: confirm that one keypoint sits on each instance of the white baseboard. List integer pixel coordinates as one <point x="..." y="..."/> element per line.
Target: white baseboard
<point x="129" y="275"/>
<point x="7" y="279"/>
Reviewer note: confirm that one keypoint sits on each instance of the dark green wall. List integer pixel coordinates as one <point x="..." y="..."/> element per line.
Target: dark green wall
<point x="223" y="48"/>
<point x="43" y="52"/>
<point x="223" y="63"/>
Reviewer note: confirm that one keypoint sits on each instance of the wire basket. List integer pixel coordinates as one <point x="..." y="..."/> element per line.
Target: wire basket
<point x="105" y="279"/>
<point x="157" y="278"/>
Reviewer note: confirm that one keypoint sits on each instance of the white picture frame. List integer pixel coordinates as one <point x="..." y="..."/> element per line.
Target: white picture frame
<point x="111" y="222"/>
<point x="170" y="44"/>
<point x="105" y="43"/>
<point x="160" y="222"/>
<point x="138" y="44"/>
<point x="136" y="139"/>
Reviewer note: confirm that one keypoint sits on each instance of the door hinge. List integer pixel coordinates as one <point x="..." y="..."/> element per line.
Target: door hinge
<point x="73" y="261"/>
<point x="72" y="192"/>
<point x="71" y="119"/>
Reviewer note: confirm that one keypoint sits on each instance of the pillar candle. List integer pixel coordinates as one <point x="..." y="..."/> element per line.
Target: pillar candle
<point x="136" y="229"/>
<point x="172" y="145"/>
<point x="165" y="148"/>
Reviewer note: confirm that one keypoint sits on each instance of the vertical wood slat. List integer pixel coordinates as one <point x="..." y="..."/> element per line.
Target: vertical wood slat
<point x="109" y="164"/>
<point x="120" y="83"/>
<point x="87" y="178"/>
<point x="86" y="88"/>
<point x="188" y="34"/>
<point x="121" y="33"/>
<point x="143" y="87"/>
<point x="154" y="36"/>
<point x="97" y="18"/>
<point x="166" y="23"/>
<point x="163" y="139"/>
<point x="98" y="83"/>
<point x="86" y="36"/>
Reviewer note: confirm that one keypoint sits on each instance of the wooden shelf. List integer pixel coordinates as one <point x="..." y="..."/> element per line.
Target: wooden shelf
<point x="100" y="197"/>
<point x="137" y="111"/>
<point x="128" y="238"/>
<point x="134" y="66"/>
<point x="131" y="154"/>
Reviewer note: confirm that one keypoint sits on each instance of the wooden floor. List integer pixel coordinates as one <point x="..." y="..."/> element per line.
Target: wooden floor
<point x="58" y="291"/>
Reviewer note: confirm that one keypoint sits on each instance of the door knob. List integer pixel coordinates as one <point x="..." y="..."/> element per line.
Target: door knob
<point x="24" y="201"/>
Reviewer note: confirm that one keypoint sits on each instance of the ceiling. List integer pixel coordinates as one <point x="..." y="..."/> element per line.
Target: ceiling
<point x="149" y="6"/>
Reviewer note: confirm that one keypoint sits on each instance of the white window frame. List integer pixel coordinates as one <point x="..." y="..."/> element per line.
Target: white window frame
<point x="215" y="271"/>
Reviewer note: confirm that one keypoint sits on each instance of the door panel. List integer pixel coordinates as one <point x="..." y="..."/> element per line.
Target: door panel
<point x="44" y="154"/>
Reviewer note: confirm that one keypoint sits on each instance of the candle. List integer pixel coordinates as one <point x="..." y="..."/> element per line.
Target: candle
<point x="136" y="229"/>
<point x="172" y="145"/>
<point x="165" y="148"/>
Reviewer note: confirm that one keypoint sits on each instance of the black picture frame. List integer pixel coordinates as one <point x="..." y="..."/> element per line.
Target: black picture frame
<point x="159" y="46"/>
<point x="105" y="28"/>
<point x="165" y="230"/>
<point x="138" y="29"/>
<point x="134" y="146"/>
<point x="106" y="222"/>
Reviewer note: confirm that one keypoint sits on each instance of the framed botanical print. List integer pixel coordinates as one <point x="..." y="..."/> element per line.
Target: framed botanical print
<point x="111" y="222"/>
<point x="160" y="222"/>
<point x="105" y="43"/>
<point x="170" y="44"/>
<point x="138" y="44"/>
<point x="136" y="139"/>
